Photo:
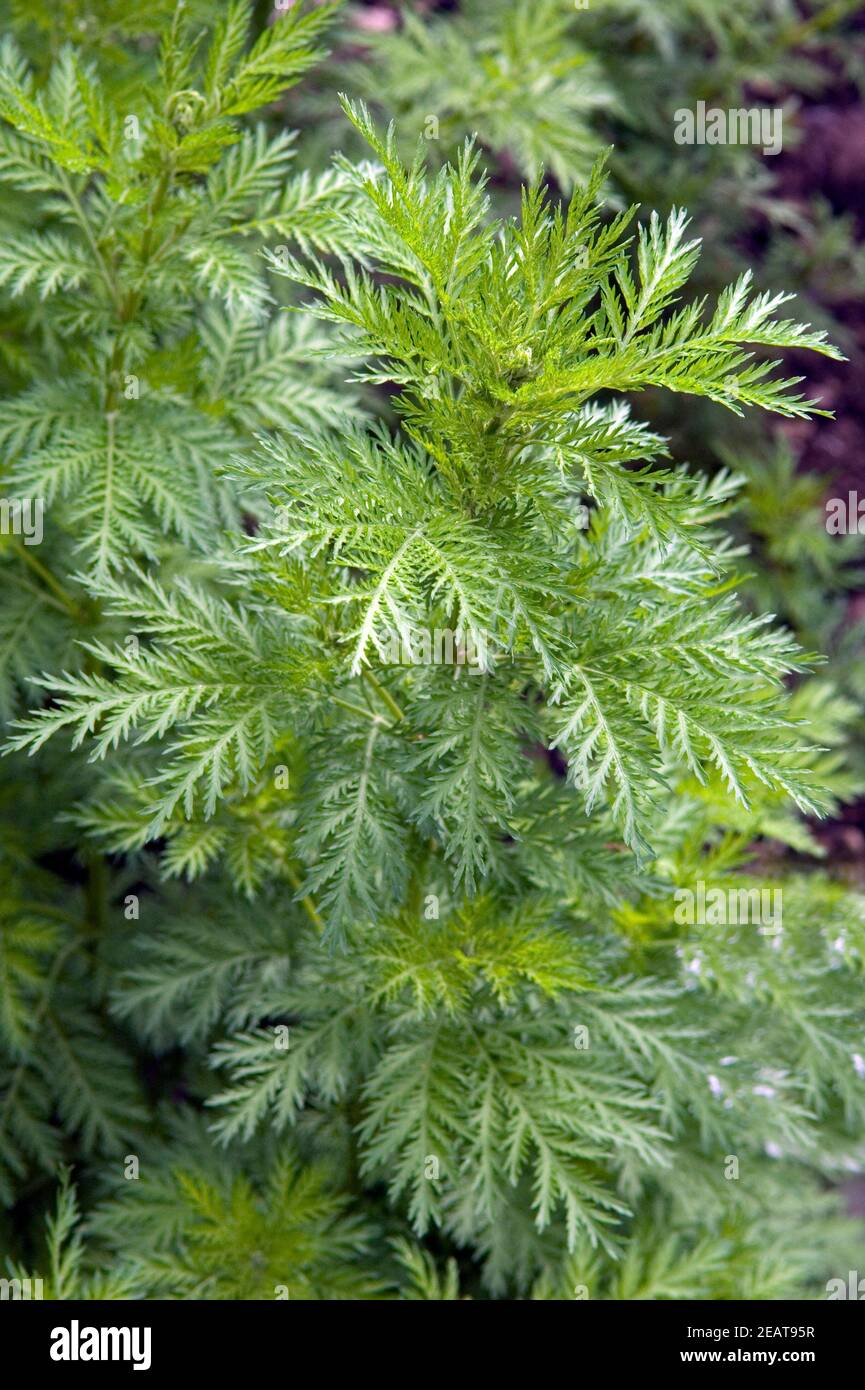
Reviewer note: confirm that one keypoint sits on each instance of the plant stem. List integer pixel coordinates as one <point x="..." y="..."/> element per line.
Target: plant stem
<point x="48" y="578"/>
<point x="307" y="902"/>
<point x="357" y="709"/>
<point x="97" y="893"/>
<point x="384" y="695"/>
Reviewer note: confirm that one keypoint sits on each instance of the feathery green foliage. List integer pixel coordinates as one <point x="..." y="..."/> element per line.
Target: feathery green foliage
<point x="130" y="269"/>
<point x="398" y="743"/>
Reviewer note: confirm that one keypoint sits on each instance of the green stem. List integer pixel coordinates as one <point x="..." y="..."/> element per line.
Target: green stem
<point x="153" y="211"/>
<point x="84" y="223"/>
<point x="306" y="903"/>
<point x="357" y="709"/>
<point x="97" y="893"/>
<point x="48" y="578"/>
<point x="384" y="695"/>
